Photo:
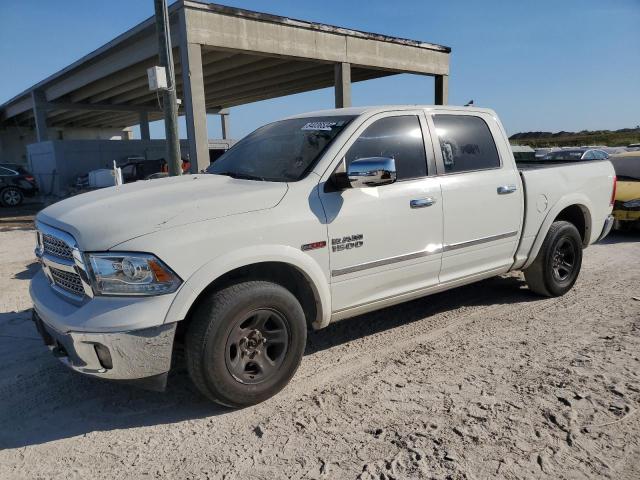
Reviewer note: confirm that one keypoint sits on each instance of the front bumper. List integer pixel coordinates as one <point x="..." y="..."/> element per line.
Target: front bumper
<point x="142" y="355"/>
<point x="131" y="329"/>
<point x="608" y="224"/>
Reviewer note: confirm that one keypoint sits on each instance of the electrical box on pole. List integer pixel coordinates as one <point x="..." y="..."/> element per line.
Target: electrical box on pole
<point x="157" y="78"/>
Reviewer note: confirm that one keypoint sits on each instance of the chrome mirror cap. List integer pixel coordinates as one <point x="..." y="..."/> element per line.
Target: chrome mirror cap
<point x="371" y="172"/>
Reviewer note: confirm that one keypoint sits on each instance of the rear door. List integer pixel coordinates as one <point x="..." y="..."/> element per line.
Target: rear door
<point x="481" y="192"/>
<point x="385" y="240"/>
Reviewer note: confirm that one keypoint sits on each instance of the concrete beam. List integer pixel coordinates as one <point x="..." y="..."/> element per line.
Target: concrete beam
<point x="39" y="115"/>
<point x="279" y="91"/>
<point x="231" y="68"/>
<point x="303" y="40"/>
<point x="441" y="94"/>
<point x="140" y="83"/>
<point x="283" y="81"/>
<point x="144" y="126"/>
<point x="342" y="83"/>
<point x="194" y="103"/>
<point x="107" y="107"/>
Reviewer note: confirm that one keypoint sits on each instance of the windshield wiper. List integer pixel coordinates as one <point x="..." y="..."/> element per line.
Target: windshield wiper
<point x="242" y="176"/>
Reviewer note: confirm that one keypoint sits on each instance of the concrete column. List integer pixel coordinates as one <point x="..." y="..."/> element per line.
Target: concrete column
<point x="194" y="104"/>
<point x="40" y="115"/>
<point x="224" y="121"/>
<point x="343" y="85"/>
<point x="144" y="126"/>
<point x="441" y="93"/>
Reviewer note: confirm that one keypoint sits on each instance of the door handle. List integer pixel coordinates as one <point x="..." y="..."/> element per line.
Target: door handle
<point x="422" y="202"/>
<point x="504" y="189"/>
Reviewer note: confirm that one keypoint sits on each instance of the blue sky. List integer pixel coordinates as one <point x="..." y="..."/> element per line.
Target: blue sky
<point x="541" y="64"/>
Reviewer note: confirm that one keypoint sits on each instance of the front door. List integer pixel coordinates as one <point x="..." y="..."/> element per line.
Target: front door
<point x="386" y="240"/>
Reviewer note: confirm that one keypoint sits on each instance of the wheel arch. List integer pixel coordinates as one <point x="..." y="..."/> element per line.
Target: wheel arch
<point x="575" y="209"/>
<point x="292" y="269"/>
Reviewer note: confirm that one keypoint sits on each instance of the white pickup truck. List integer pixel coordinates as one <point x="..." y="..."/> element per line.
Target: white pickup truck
<point x="305" y="221"/>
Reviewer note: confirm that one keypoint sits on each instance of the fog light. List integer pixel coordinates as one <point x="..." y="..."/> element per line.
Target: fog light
<point x="104" y="356"/>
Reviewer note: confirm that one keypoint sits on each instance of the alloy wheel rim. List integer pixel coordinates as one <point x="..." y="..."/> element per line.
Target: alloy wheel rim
<point x="257" y="346"/>
<point x="563" y="262"/>
<point x="11" y="197"/>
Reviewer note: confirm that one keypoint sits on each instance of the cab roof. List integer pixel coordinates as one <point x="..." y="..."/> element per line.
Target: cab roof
<point x="356" y="111"/>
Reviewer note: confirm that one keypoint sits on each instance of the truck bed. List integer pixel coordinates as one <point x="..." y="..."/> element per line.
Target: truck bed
<point x="546" y="183"/>
<point x="535" y="165"/>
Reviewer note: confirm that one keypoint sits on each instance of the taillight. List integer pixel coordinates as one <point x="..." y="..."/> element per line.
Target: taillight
<point x="613" y="193"/>
<point x="29" y="178"/>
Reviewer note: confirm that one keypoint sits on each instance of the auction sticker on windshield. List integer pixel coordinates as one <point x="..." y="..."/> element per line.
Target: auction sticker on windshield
<point x="319" y="126"/>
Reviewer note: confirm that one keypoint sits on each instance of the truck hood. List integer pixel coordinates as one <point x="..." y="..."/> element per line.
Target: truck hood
<point x="104" y="218"/>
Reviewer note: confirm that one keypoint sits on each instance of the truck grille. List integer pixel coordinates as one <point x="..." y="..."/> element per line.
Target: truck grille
<point x="62" y="263"/>
<point x="71" y="282"/>
<point x="56" y="247"/>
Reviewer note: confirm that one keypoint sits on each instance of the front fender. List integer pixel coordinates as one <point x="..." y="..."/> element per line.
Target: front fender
<point x="223" y="264"/>
<point x="578" y="199"/>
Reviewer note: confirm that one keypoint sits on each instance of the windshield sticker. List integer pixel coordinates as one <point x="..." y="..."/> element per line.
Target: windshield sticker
<point x="326" y="126"/>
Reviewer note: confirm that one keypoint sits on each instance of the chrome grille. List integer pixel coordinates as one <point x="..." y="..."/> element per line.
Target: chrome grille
<point x="56" y="247"/>
<point x="71" y="282"/>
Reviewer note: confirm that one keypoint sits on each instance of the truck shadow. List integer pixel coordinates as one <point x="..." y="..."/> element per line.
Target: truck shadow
<point x="41" y="401"/>
<point x="494" y="291"/>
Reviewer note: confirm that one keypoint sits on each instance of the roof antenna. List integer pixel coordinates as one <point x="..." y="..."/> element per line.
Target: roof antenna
<point x="469" y="103"/>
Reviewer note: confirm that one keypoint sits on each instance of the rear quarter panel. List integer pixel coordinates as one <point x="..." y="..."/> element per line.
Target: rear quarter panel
<point x="550" y="190"/>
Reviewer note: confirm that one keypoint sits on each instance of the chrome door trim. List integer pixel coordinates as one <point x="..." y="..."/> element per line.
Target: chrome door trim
<point x="478" y="241"/>
<point x="386" y="261"/>
<point x="422" y="202"/>
<point x="505" y="189"/>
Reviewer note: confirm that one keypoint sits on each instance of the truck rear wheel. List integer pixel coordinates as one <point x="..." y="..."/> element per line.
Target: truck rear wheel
<point x="245" y="343"/>
<point x="556" y="268"/>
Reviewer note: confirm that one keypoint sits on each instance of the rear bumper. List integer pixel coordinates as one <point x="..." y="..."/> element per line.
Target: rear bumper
<point x="142" y="356"/>
<point x="608" y="224"/>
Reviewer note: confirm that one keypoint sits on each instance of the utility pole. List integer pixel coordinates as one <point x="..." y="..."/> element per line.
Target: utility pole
<point x="169" y="98"/>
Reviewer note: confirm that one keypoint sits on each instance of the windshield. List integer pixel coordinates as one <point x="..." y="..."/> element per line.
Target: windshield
<point x="282" y="151"/>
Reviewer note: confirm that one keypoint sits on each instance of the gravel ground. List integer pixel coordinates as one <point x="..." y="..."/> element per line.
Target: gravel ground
<point x="484" y="381"/>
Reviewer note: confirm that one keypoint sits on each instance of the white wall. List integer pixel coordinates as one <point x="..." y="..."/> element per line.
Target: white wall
<point x="14" y="140"/>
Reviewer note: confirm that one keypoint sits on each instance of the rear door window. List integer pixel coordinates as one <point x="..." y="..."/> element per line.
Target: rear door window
<point x="466" y="143"/>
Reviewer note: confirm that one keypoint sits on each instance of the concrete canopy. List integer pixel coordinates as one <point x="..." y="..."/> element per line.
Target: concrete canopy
<point x="224" y="57"/>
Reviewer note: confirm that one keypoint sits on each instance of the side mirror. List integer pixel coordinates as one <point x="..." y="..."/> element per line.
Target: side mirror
<point x="370" y="172"/>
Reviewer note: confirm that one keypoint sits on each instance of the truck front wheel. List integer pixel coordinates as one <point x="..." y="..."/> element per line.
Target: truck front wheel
<point x="245" y="342"/>
<point x="556" y="268"/>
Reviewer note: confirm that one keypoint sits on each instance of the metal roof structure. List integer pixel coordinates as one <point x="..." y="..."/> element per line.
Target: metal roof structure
<point x="223" y="57"/>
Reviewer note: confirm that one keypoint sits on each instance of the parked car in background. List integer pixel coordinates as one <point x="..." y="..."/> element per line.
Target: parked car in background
<point x="132" y="171"/>
<point x="626" y="209"/>
<point x="541" y="152"/>
<point x="16" y="183"/>
<point x="523" y="153"/>
<point x="576" y="154"/>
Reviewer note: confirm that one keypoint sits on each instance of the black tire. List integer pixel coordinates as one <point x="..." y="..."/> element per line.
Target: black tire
<point x="228" y="361"/>
<point x="11" y="197"/>
<point x="556" y="268"/>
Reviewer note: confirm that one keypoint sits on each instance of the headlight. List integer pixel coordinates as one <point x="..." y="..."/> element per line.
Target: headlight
<point x="635" y="203"/>
<point x="130" y="274"/>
